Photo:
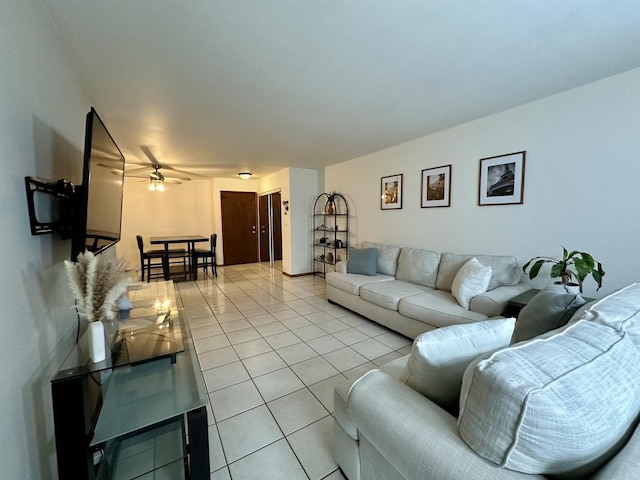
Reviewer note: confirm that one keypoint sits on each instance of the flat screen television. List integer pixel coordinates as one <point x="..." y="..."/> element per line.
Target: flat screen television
<point x="98" y="201"/>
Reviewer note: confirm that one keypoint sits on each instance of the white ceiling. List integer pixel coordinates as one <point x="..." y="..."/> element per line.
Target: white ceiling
<point x="257" y="85"/>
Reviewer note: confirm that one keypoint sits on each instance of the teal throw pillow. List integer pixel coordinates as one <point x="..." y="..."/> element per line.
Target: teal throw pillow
<point x="362" y="261"/>
<point x="552" y="308"/>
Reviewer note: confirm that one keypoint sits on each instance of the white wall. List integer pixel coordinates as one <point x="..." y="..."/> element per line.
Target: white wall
<point x="43" y="104"/>
<point x="303" y="190"/>
<point x="581" y="182"/>
<point x="185" y="209"/>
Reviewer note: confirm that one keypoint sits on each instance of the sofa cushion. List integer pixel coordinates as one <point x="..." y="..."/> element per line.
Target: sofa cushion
<point x="562" y="403"/>
<point x="472" y="279"/>
<point x="363" y="261"/>
<point x="439" y="357"/>
<point x="504" y="269"/>
<point x="387" y="257"/>
<point x="620" y="310"/>
<point x="418" y="266"/>
<point x="351" y="282"/>
<point x="388" y="295"/>
<point x="437" y="308"/>
<point x="550" y="309"/>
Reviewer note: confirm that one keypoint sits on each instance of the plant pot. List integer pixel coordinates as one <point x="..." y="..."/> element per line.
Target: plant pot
<point x="97" y="342"/>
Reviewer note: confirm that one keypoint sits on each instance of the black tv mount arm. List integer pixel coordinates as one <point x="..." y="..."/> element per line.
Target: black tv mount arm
<point x="65" y="194"/>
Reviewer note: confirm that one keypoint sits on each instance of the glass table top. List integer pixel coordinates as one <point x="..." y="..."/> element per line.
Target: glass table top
<point x="151" y="330"/>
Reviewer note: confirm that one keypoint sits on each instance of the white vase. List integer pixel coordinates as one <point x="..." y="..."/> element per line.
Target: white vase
<point x="97" y="346"/>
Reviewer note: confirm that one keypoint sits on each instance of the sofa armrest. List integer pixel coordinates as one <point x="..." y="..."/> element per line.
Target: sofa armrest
<point x="415" y="435"/>
<point x="493" y="302"/>
<point x="341" y="266"/>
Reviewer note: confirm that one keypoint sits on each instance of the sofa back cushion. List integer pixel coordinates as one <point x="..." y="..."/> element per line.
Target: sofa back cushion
<point x="620" y="310"/>
<point x="439" y="357"/>
<point x="418" y="266"/>
<point x="387" y="257"/>
<point x="504" y="269"/>
<point x="562" y="403"/>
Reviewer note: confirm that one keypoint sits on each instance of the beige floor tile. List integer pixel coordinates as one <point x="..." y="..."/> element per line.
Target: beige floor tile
<point x="297" y="410"/>
<point x="263" y="364"/>
<point x="313" y="447"/>
<point x="278" y="384"/>
<point x="314" y="370"/>
<point x="248" y="432"/>
<point x="274" y="462"/>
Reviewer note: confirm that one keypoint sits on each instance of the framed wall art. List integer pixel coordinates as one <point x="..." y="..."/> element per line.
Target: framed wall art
<point x="501" y="179"/>
<point x="391" y="195"/>
<point x="436" y="187"/>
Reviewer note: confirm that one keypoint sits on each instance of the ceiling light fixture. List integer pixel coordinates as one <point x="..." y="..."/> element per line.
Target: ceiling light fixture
<point x="245" y="175"/>
<point x="156" y="182"/>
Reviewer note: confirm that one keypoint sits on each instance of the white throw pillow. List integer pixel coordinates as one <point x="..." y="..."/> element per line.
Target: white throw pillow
<point x="562" y="403"/>
<point x="472" y="279"/>
<point x="439" y="357"/>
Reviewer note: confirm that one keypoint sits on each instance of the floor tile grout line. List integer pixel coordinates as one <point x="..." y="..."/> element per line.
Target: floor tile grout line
<point x="333" y="334"/>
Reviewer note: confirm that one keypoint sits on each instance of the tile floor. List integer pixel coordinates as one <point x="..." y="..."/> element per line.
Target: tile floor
<point x="272" y="349"/>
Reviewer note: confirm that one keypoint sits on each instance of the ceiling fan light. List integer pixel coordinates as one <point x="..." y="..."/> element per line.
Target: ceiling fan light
<point x="245" y="175"/>
<point x="156" y="184"/>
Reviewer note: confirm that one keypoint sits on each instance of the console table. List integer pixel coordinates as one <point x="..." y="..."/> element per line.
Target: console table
<point x="142" y="409"/>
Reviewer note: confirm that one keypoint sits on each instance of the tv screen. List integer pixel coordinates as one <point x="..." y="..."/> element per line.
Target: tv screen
<point x="98" y="213"/>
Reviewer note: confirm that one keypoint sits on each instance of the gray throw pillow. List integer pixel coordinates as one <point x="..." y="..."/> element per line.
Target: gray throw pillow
<point x="362" y="261"/>
<point x="550" y="309"/>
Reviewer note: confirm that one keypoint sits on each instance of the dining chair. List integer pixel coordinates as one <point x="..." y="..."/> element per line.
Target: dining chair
<point x="148" y="262"/>
<point x="208" y="256"/>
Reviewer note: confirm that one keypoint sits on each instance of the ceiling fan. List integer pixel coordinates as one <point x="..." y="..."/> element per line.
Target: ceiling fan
<point x="153" y="175"/>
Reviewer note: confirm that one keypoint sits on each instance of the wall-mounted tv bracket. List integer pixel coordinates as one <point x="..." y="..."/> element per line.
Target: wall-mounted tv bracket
<point x="64" y="194"/>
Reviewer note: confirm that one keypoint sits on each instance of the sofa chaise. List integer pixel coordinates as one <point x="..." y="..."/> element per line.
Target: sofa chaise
<point x="564" y="404"/>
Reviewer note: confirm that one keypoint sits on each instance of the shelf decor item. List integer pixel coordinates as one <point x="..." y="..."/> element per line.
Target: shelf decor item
<point x="391" y="192"/>
<point x="98" y="283"/>
<point x="501" y="179"/>
<point x="572" y="266"/>
<point x="436" y="187"/>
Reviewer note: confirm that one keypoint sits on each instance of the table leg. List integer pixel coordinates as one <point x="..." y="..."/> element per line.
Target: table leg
<point x="194" y="264"/>
<point x="167" y="273"/>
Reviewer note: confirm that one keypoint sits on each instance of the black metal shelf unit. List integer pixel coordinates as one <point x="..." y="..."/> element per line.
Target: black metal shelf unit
<point x="330" y="217"/>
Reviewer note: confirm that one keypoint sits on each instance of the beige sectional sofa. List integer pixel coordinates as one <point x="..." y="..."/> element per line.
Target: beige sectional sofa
<point x="562" y="405"/>
<point x="411" y="290"/>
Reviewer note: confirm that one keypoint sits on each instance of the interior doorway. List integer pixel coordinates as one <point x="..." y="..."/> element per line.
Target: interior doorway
<point x="269" y="211"/>
<point x="239" y="227"/>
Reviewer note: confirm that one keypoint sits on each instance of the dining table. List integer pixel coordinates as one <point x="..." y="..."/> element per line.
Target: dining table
<point x="189" y="240"/>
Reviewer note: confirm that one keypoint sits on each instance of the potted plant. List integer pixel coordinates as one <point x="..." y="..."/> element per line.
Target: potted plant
<point x="573" y="267"/>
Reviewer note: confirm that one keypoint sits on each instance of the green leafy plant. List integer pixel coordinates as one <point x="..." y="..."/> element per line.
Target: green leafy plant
<point x="572" y="266"/>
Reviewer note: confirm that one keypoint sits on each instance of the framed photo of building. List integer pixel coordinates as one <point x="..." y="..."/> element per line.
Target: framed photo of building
<point x="391" y="192"/>
<point x="501" y="179"/>
<point x="436" y="187"/>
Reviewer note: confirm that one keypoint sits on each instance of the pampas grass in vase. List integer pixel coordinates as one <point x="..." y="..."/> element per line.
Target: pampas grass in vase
<point x="97" y="282"/>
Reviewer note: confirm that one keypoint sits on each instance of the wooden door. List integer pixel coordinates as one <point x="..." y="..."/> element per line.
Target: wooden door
<point x="239" y="227"/>
<point x="277" y="226"/>
<point x="263" y="210"/>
